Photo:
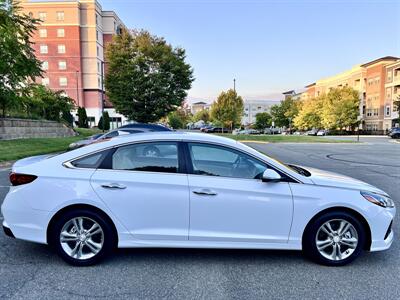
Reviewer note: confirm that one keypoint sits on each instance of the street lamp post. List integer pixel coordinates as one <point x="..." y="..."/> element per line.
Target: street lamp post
<point x="102" y="94"/>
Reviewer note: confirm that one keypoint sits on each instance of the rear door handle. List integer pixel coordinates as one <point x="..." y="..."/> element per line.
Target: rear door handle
<point x="205" y="192"/>
<point x="113" y="185"/>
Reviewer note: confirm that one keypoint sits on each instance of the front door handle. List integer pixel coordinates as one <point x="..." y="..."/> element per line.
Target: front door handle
<point x="205" y="192"/>
<point x="113" y="185"/>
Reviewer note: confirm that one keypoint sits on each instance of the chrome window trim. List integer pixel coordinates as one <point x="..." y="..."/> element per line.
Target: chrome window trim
<point x="68" y="163"/>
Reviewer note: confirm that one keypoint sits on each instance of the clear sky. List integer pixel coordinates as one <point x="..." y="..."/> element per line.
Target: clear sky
<point x="269" y="46"/>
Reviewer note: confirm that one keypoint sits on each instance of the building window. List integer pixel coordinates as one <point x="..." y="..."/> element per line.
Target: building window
<point x="42" y="16"/>
<point x="44" y="49"/>
<point x="98" y="51"/>
<point x="43" y="33"/>
<point x="376" y="112"/>
<point x="63" y="81"/>
<point x="369" y="112"/>
<point x="387" y="111"/>
<point x="45" y="81"/>
<point x="363" y="110"/>
<point x="62" y="65"/>
<point x="97" y="19"/>
<point x="60" y="32"/>
<point x="61" y="49"/>
<point x="60" y="16"/>
<point x="389" y="76"/>
<point x="45" y="65"/>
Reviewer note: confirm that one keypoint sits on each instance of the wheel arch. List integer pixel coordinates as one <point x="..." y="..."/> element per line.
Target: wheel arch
<point x="81" y="206"/>
<point x="356" y="214"/>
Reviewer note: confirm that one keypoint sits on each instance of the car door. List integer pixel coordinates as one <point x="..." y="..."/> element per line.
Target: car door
<point x="230" y="203"/>
<point x="144" y="186"/>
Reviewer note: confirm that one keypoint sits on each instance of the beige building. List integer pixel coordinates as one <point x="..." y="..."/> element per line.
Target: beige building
<point x="377" y="88"/>
<point x="199" y="106"/>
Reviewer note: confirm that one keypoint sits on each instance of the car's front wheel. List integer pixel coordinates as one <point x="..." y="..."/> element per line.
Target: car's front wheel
<point x="334" y="239"/>
<point x="82" y="237"/>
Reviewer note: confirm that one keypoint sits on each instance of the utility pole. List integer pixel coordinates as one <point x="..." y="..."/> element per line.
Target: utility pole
<point x="234" y="85"/>
<point x="77" y="87"/>
<point x="102" y="94"/>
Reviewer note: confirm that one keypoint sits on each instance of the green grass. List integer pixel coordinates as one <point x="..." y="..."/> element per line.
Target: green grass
<point x="284" y="138"/>
<point x="17" y="149"/>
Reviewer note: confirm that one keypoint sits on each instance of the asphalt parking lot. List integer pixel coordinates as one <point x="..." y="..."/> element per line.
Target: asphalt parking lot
<point x="32" y="271"/>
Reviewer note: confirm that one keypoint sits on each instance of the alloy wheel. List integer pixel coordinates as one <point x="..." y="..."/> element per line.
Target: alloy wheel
<point x="336" y="239"/>
<point x="81" y="238"/>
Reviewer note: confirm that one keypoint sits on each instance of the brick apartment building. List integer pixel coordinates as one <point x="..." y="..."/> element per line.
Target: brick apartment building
<point x="70" y="41"/>
<point x="378" y="83"/>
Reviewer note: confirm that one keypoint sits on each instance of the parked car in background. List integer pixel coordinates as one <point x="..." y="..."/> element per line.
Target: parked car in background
<point x="85" y="141"/>
<point x="322" y="132"/>
<point x="249" y="131"/>
<point x="395" y="133"/>
<point x="312" y="132"/>
<point x="193" y="191"/>
<point x="146" y="127"/>
<point x="273" y="130"/>
<point x="217" y="130"/>
<point x="205" y="128"/>
<point x="126" y="129"/>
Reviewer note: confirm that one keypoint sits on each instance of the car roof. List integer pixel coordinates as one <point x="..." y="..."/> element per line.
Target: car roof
<point x="153" y="136"/>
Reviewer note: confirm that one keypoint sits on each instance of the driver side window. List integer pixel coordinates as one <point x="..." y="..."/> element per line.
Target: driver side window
<point x="213" y="160"/>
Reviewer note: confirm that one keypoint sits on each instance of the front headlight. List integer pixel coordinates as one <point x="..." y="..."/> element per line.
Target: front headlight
<point x="378" y="199"/>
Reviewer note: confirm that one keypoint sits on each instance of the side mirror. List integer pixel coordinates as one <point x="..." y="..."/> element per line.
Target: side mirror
<point x="270" y="175"/>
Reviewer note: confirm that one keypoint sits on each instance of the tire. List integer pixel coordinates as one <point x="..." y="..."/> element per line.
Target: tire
<point x="326" y="231"/>
<point x="66" y="227"/>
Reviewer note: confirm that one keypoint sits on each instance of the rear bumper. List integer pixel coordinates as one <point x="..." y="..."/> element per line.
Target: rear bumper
<point x="7" y="230"/>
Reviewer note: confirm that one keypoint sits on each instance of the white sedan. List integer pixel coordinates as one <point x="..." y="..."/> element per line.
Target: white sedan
<point x="194" y="191"/>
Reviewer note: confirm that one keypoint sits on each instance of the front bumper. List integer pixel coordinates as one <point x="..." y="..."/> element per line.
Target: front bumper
<point x="381" y="230"/>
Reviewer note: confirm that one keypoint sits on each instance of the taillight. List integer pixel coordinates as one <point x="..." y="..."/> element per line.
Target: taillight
<point x="19" y="179"/>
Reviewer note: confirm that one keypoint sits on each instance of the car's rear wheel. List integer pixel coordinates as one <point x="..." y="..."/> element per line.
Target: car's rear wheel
<point x="82" y="237"/>
<point x="334" y="239"/>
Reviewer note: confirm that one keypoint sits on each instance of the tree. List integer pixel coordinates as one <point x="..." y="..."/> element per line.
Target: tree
<point x="82" y="118"/>
<point x="68" y="118"/>
<point x="227" y="109"/>
<point x="44" y="103"/>
<point x="104" y="122"/>
<point x="175" y="120"/>
<point x="263" y="120"/>
<point x="284" y="113"/>
<point x="202" y="115"/>
<point x="179" y="118"/>
<point x="147" y="77"/>
<point x="309" y="115"/>
<point x="340" y="108"/>
<point x="18" y="63"/>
